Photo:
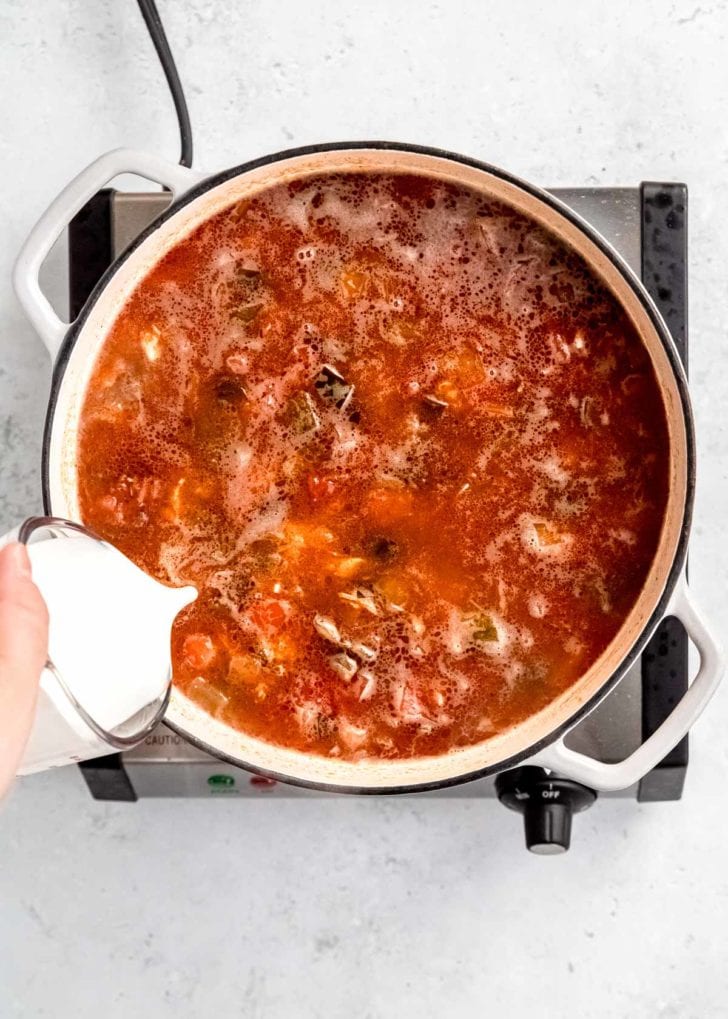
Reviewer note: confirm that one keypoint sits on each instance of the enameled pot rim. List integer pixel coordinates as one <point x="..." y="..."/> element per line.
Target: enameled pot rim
<point x="647" y="307"/>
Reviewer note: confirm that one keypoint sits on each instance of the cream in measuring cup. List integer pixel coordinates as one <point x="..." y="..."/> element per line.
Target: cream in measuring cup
<point x="108" y="674"/>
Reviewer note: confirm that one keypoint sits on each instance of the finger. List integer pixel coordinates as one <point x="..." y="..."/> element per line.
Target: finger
<point x="23" y="653"/>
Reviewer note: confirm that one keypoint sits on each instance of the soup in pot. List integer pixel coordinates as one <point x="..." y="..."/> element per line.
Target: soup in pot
<point x="407" y="446"/>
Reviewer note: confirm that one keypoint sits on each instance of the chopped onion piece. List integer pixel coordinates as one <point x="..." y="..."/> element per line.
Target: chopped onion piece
<point x="345" y="566"/>
<point x="327" y="629"/>
<point x="537" y="606"/>
<point x="418" y="625"/>
<point x="344" y="665"/>
<point x="150" y="343"/>
<point x="207" y="696"/>
<point x="362" y="598"/>
<point x="362" y="650"/>
<point x="370" y="684"/>
<point x="435" y="404"/>
<point x="352" y="736"/>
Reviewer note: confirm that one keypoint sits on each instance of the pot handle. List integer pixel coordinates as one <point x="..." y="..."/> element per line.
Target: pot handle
<point x="610" y="777"/>
<point x="74" y="196"/>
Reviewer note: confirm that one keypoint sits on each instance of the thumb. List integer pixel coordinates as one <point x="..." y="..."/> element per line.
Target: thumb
<point x="23" y="653"/>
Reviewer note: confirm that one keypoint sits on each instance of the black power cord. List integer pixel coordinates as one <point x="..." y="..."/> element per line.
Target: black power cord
<point x="159" y="38"/>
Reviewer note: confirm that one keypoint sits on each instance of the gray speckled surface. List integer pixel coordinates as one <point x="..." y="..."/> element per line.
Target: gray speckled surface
<point x="369" y="908"/>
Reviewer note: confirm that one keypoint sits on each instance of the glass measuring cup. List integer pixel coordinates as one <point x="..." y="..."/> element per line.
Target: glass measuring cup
<point x="107" y="680"/>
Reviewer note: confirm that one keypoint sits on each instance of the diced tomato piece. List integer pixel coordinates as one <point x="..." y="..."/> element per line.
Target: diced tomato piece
<point x="244" y="669"/>
<point x="109" y="505"/>
<point x="355" y="283"/>
<point x="546" y="533"/>
<point x="345" y="566"/>
<point x="352" y="736"/>
<point x="470" y="369"/>
<point x="320" y="487"/>
<point x="449" y="392"/>
<point x="388" y="505"/>
<point x="269" y="614"/>
<point x="300" y="535"/>
<point x="395" y="588"/>
<point x="147" y="491"/>
<point x="129" y="500"/>
<point x="497" y="410"/>
<point x="198" y="650"/>
<point x="237" y="363"/>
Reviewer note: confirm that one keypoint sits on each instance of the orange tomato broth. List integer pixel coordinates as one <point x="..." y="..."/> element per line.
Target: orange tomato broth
<point x="409" y="449"/>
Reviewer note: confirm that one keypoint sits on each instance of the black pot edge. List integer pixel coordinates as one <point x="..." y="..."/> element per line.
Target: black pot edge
<point x="680" y="554"/>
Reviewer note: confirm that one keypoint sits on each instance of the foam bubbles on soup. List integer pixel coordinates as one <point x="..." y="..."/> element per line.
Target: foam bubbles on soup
<point x="411" y="452"/>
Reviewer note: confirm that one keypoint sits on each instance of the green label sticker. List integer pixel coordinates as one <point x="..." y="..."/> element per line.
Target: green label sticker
<point x="219" y="782"/>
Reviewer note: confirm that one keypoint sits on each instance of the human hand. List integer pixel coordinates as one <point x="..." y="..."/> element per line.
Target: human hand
<point x="23" y="653"/>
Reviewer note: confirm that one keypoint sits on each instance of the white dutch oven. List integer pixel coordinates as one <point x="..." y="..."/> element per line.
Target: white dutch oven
<point x="540" y="738"/>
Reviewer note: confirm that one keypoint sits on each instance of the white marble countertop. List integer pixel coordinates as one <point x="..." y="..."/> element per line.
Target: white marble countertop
<point x="372" y="908"/>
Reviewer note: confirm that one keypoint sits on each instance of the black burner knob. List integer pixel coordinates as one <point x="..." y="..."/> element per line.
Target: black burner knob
<point x="547" y="804"/>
